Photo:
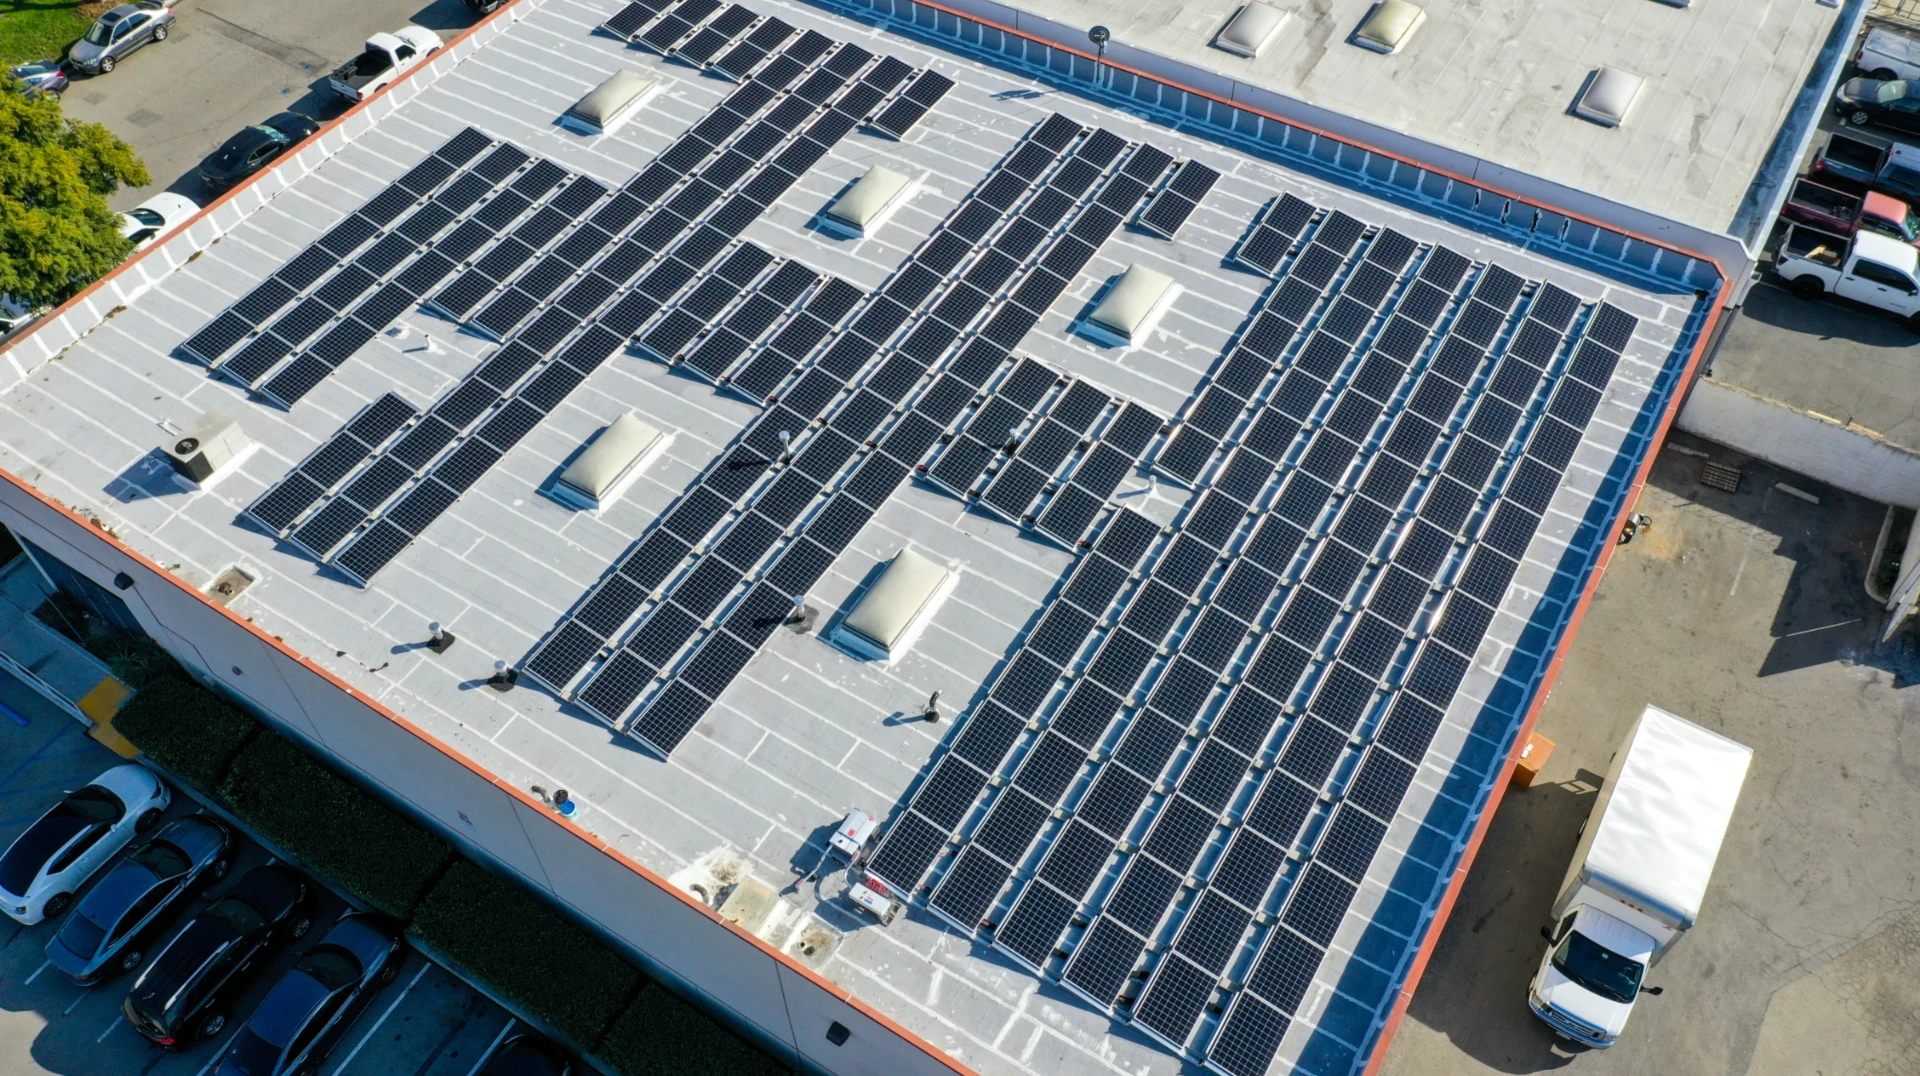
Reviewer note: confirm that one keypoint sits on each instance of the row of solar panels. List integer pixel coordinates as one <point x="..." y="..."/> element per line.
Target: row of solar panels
<point x="1022" y="437"/>
<point x="1208" y="941"/>
<point x="474" y="406"/>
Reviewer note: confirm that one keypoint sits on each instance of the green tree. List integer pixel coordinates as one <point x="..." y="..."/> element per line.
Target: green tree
<point x="56" y="233"/>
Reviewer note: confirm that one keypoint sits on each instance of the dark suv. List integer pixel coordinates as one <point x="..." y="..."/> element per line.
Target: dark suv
<point x="182" y="996"/>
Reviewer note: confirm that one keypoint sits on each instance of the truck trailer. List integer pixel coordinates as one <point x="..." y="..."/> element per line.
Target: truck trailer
<point x="1639" y="873"/>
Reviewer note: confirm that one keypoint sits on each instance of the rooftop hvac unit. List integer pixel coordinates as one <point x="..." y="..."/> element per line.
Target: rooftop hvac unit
<point x="206" y="447"/>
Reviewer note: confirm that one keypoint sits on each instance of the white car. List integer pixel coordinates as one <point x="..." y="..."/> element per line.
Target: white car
<point x="156" y="217"/>
<point x="45" y="866"/>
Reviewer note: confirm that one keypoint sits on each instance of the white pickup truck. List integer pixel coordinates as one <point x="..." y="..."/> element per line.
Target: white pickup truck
<point x="1870" y="268"/>
<point x="388" y="56"/>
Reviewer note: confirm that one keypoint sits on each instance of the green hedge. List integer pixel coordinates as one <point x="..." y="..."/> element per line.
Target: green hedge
<point x="332" y="826"/>
<point x="185" y="728"/>
<point x="523" y="949"/>
<point x="661" y="1035"/>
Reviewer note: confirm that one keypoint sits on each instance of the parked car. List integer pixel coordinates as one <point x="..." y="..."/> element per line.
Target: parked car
<point x="182" y="996"/>
<point x="47" y="77"/>
<point x="253" y="148"/>
<point x="1886" y="56"/>
<point x="156" y="217"/>
<point x="1844" y="213"/>
<point x="303" y="1017"/>
<point x="107" y="932"/>
<point x="1860" y="101"/>
<point x="525" y="1055"/>
<point x="386" y="57"/>
<point x="484" y="7"/>
<point x="1867" y="163"/>
<point x="119" y="33"/>
<point x="45" y="866"/>
<point x="1870" y="268"/>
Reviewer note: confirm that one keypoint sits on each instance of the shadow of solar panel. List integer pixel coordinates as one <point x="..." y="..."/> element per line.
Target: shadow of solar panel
<point x="1102" y="961"/>
<point x="1173" y="1002"/>
<point x="905" y="853"/>
<point x="968" y="889"/>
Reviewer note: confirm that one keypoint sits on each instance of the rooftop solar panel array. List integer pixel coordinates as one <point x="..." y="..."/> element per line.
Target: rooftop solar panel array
<point x="1188" y="815"/>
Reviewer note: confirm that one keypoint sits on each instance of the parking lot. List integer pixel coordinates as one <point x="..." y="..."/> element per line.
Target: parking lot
<point x="1743" y="612"/>
<point x="426" y="1023"/>
<point x="230" y="63"/>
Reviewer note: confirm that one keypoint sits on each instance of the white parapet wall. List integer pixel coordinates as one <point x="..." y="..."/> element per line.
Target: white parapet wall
<point x="1841" y="455"/>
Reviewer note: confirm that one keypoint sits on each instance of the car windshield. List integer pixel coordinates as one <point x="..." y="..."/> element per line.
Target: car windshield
<point x="35" y="847"/>
<point x="163" y="859"/>
<point x="37" y="67"/>
<point x="81" y="936"/>
<point x="272" y="133"/>
<point x="101" y="31"/>
<point x="94" y="804"/>
<point x="1598" y="968"/>
<point x="1889" y="92"/>
<point x="236" y="915"/>
<point x="251" y="1055"/>
<point x="146" y="216"/>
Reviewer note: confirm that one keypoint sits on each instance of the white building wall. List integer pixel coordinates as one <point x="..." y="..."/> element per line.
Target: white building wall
<point x="1819" y="447"/>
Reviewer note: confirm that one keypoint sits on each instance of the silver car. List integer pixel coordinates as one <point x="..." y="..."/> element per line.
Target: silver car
<point x="117" y="33"/>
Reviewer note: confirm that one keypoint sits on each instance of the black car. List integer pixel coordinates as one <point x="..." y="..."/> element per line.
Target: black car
<point x="182" y="996"/>
<point x="107" y="931"/>
<point x="484" y="7"/>
<point x="525" y="1055"/>
<point x="303" y="1017"/>
<point x="254" y="148"/>
<point x="1861" y="101"/>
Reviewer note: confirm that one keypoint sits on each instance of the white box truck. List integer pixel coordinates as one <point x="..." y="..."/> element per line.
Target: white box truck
<point x="1639" y="873"/>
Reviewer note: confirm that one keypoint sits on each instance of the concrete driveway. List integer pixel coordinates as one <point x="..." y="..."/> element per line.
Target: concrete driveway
<point x="1743" y="612"/>
<point x="230" y="63"/>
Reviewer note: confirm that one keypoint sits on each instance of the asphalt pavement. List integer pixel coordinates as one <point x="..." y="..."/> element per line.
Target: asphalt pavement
<point x="231" y="63"/>
<point x="425" y="1023"/>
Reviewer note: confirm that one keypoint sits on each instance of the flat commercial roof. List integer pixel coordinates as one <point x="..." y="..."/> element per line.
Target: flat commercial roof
<point x="1429" y="524"/>
<point x="1497" y="79"/>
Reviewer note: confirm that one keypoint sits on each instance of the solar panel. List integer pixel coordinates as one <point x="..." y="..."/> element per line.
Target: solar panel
<point x="1318" y="903"/>
<point x="1102" y="960"/>
<point x="1035" y="924"/>
<point x="1179" y="831"/>
<point x="1110" y="803"/>
<point x="1141" y="898"/>
<point x="1277" y="668"/>
<point x="1311" y="751"/>
<point x="1011" y="824"/>
<point x="1248" y="868"/>
<point x="987" y="735"/>
<point x="1249" y="1038"/>
<point x="1409" y="727"/>
<point x="1088" y="712"/>
<point x="1173" y="1002"/>
<point x="969" y="887"/>
<point x="1280" y="809"/>
<point x="1213" y="775"/>
<point x="1049" y="767"/>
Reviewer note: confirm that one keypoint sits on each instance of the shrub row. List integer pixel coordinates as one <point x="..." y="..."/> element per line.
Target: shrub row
<point x="496" y="931"/>
<point x="186" y="728"/>
<point x="538" y="960"/>
<point x="332" y="826"/>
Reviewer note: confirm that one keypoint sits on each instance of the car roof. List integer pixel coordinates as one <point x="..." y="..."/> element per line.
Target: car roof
<point x="1886" y="250"/>
<point x="120" y="12"/>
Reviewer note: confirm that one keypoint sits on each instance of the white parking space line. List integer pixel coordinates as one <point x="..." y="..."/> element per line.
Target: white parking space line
<point x="36" y="973"/>
<point x="494" y="1045"/>
<point x="342" y="1067"/>
<point x="84" y="994"/>
<point x="117" y="1021"/>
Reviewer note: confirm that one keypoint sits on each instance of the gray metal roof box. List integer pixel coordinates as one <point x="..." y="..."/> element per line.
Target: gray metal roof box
<point x="608" y="466"/>
<point x="1389" y="26"/>
<point x="1609" y="96"/>
<point x="1250" y="30"/>
<point x="610" y="104"/>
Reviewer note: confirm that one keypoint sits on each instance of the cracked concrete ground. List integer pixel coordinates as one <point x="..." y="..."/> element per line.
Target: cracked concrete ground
<point x="1743" y="612"/>
<point x="230" y="63"/>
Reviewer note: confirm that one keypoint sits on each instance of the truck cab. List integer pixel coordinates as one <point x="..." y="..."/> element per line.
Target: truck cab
<point x="1639" y="874"/>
